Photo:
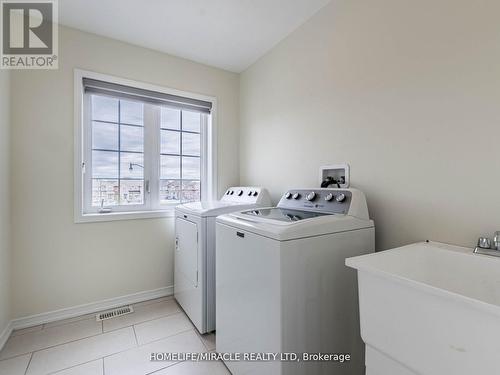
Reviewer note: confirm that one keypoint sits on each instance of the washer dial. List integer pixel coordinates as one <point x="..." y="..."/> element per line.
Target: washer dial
<point x="311" y="196"/>
<point x="340" y="198"/>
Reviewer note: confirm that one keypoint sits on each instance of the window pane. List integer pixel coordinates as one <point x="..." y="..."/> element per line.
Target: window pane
<point x="190" y="168"/>
<point x="191" y="144"/>
<point x="170" y="118"/>
<point x="131" y="192"/>
<point x="132" y="138"/>
<point x="190" y="191"/>
<point x="104" y="108"/>
<point x="169" y="191"/>
<point x="170" y="142"/>
<point x="131" y="165"/>
<point x="105" y="136"/>
<point x="131" y="113"/>
<point x="191" y="121"/>
<point x="170" y="167"/>
<point x="105" y="191"/>
<point x="104" y="164"/>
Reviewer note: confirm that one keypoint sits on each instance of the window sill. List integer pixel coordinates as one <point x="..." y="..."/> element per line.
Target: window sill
<point x="115" y="216"/>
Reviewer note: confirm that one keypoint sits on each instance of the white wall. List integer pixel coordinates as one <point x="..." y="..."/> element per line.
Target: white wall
<point x="5" y="249"/>
<point x="58" y="263"/>
<point x="407" y="92"/>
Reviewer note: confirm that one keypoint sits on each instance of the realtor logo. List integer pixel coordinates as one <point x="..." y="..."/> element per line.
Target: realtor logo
<point x="29" y="34"/>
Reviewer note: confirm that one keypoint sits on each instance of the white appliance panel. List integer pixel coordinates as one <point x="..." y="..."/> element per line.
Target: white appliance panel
<point x="289" y="296"/>
<point x="194" y="280"/>
<point x="187" y="275"/>
<point x="283" y="286"/>
<point x="248" y="298"/>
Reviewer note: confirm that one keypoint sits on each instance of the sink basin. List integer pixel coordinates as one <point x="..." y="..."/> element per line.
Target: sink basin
<point x="429" y="309"/>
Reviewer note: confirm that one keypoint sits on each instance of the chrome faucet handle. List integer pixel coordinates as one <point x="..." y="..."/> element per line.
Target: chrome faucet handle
<point x="484" y="246"/>
<point x="484" y="243"/>
<point x="496" y="240"/>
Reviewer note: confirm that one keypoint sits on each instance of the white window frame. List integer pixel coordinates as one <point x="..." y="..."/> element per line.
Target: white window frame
<point x="152" y="208"/>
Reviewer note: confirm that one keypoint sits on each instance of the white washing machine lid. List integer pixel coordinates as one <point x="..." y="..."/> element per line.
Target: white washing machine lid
<point x="234" y="199"/>
<point x="213" y="208"/>
<point x="283" y="229"/>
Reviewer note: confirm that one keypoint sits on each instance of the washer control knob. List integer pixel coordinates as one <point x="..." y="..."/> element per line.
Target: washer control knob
<point x="288" y="195"/>
<point x="296" y="196"/>
<point x="311" y="196"/>
<point x="240" y="193"/>
<point x="249" y="193"/>
<point x="329" y="197"/>
<point x="340" y="198"/>
<point x="255" y="193"/>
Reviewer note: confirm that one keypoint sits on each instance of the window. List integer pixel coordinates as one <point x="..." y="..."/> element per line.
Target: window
<point x="141" y="150"/>
<point x="180" y="156"/>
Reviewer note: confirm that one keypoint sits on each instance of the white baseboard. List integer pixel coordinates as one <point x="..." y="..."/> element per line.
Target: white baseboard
<point x="89" y="308"/>
<point x="4" y="336"/>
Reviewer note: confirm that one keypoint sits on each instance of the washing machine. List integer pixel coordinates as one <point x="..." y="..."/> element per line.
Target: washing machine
<point x="194" y="272"/>
<point x="282" y="285"/>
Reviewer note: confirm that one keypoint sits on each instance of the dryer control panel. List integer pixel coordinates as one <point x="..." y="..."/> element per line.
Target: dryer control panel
<point x="246" y="195"/>
<point x="335" y="201"/>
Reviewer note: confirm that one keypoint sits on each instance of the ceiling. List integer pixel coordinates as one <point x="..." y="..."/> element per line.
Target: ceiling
<point x="228" y="34"/>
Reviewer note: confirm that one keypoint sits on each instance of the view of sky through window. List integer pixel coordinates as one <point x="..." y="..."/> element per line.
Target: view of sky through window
<point x="118" y="148"/>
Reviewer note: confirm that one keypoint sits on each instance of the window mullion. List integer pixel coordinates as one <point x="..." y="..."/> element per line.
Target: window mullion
<point x="152" y="153"/>
<point x="180" y="161"/>
<point x="87" y="153"/>
<point x="203" y="160"/>
<point x="119" y="156"/>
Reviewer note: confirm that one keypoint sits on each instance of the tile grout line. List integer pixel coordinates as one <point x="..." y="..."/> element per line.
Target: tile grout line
<point x="14" y="334"/>
<point x="115" y="330"/>
<point x="200" y="336"/>
<point x="53" y="346"/>
<point x="147" y="303"/>
<point x="29" y="363"/>
<point x="76" y="319"/>
<point x="44" y="325"/>
<point x="147" y="321"/>
<point x="110" y="355"/>
<point x="161" y="369"/>
<point x="141" y="345"/>
<point x="135" y="335"/>
<point x="88" y="337"/>
<point x="83" y="338"/>
<point x="16" y="356"/>
<point x="122" y="351"/>
<point x="70" y="367"/>
<point x="48" y="347"/>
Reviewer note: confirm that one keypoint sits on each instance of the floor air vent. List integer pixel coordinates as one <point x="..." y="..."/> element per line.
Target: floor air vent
<point x="110" y="314"/>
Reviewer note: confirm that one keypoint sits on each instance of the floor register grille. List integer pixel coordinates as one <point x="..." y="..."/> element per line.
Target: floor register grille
<point x="114" y="313"/>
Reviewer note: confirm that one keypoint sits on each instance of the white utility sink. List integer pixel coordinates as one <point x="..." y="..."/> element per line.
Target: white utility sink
<point x="429" y="309"/>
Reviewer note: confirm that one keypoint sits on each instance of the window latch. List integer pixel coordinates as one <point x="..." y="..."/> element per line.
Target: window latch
<point x="83" y="167"/>
<point x="148" y="190"/>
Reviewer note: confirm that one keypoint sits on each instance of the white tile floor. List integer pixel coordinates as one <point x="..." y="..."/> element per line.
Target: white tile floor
<point x="120" y="346"/>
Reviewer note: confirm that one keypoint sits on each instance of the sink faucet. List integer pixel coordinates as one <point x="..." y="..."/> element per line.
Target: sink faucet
<point x="486" y="247"/>
<point x="496" y="241"/>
